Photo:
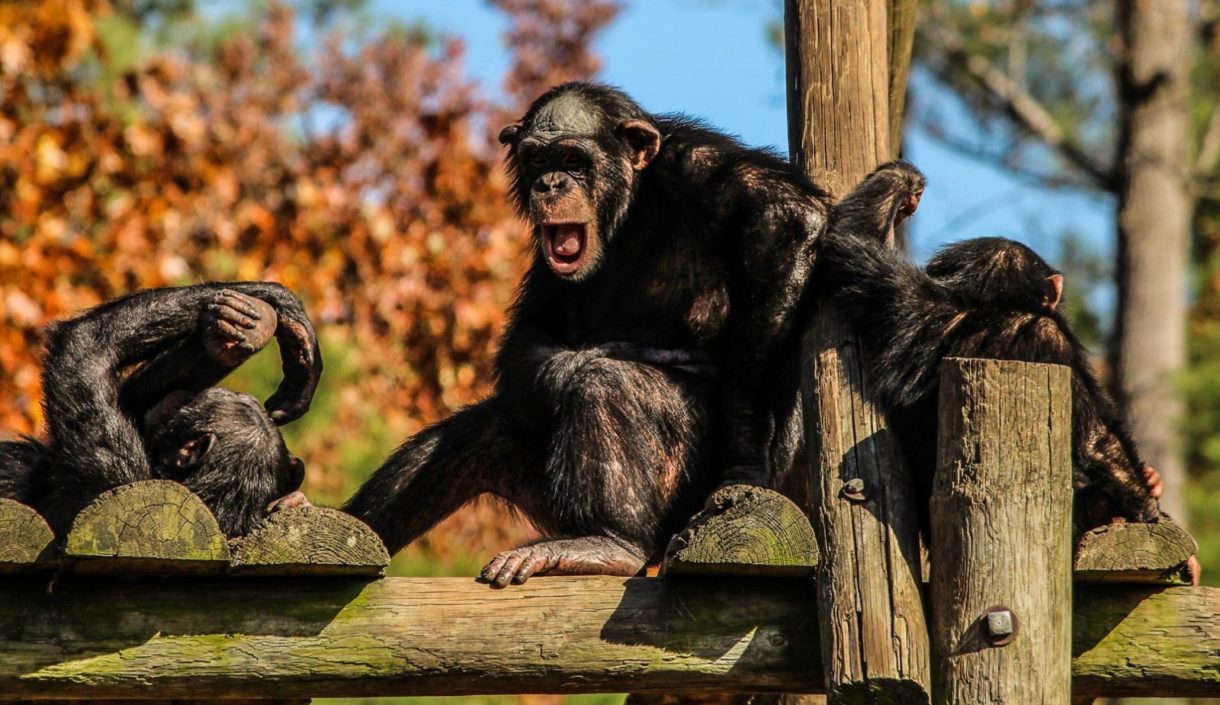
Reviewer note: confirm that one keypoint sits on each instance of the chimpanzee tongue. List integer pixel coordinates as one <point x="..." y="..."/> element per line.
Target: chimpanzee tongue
<point x="567" y="241"/>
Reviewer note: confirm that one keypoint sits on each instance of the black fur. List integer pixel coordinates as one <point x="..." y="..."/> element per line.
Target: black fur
<point x="989" y="298"/>
<point x="127" y="397"/>
<point x="633" y="382"/>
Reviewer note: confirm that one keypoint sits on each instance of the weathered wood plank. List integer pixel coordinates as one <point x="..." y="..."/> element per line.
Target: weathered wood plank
<point x="745" y="530"/>
<point x="310" y="541"/>
<point x="154" y="526"/>
<point x="287" y="637"/>
<point x="344" y="637"/>
<point x="872" y="624"/>
<point x="1135" y="553"/>
<point x="1001" y="589"/>
<point x="1146" y="642"/>
<point x="24" y="537"/>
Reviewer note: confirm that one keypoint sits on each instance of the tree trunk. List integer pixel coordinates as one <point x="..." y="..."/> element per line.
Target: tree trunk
<point x="1154" y="211"/>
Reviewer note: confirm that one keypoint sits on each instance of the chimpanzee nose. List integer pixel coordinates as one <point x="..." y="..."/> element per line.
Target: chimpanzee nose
<point x="552" y="181"/>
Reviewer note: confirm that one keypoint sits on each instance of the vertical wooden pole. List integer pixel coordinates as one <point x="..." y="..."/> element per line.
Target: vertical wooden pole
<point x="1002" y="534"/>
<point x="873" y="630"/>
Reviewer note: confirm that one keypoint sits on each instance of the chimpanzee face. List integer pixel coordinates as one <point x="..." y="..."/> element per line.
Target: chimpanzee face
<point x="225" y="448"/>
<point x="575" y="167"/>
<point x="997" y="272"/>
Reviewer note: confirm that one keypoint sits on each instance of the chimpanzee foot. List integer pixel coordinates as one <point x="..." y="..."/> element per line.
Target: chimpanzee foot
<point x="589" y="555"/>
<point x="236" y="326"/>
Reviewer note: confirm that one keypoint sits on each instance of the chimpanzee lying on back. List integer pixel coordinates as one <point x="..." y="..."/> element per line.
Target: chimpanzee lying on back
<point x="128" y="396"/>
<point x="989" y="298"/>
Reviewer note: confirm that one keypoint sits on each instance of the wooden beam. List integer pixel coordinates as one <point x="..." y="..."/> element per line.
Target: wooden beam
<point x="148" y="526"/>
<point x="24" y="537"/>
<point x="1001" y="549"/>
<point x="744" y="530"/>
<point x="1135" y="553"/>
<point x="310" y="541"/>
<point x="873" y="630"/>
<point x="287" y="637"/>
<point x="94" y="637"/>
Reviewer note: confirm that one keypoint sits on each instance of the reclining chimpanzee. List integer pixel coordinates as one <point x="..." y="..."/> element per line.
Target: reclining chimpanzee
<point x="987" y="297"/>
<point x="128" y="396"/>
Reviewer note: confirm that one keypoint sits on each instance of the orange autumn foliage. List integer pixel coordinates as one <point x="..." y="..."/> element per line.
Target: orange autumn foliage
<point x="361" y="172"/>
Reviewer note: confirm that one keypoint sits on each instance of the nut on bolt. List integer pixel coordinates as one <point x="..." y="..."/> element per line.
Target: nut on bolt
<point x="999" y="625"/>
<point x="853" y="490"/>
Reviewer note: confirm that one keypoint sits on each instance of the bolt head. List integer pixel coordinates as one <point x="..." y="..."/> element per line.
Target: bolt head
<point x="853" y="490"/>
<point x="999" y="624"/>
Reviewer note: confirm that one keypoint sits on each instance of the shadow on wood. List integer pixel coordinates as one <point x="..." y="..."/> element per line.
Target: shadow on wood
<point x="24" y="538"/>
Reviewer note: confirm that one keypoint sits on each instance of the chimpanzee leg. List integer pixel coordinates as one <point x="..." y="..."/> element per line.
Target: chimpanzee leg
<point x="477" y="450"/>
<point x="628" y="445"/>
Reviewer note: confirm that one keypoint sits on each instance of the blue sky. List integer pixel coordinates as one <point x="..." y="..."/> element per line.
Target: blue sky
<point x="710" y="58"/>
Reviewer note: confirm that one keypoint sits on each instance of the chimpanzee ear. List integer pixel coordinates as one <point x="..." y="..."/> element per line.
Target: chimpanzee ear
<point x="1054" y="291"/>
<point x="191" y="454"/>
<point x="296" y="468"/>
<point x="509" y="133"/>
<point x="642" y="138"/>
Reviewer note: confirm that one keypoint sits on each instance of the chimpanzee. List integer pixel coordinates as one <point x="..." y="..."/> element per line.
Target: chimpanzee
<point x="650" y="353"/>
<point x="128" y="396"/>
<point x="989" y="298"/>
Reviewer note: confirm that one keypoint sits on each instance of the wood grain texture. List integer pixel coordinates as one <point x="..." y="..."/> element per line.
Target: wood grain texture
<point x="288" y="637"/>
<point x="1002" y="533"/>
<point x="151" y="526"/>
<point x="873" y="629"/>
<point x="1146" y="642"/>
<point x="744" y="530"/>
<point x="101" y="637"/>
<point x="310" y="541"/>
<point x="24" y="537"/>
<point x="1135" y="553"/>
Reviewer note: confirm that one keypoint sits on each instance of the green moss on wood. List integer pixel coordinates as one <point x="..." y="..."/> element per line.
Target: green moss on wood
<point x="24" y="537"/>
<point x="310" y="541"/>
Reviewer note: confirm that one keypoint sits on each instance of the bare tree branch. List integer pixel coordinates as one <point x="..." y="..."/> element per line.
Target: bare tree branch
<point x="1023" y="108"/>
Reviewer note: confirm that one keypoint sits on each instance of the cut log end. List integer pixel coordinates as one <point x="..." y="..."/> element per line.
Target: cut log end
<point x="310" y="541"/>
<point x="24" y="537"/>
<point x="154" y="526"/>
<point x="744" y="530"/>
<point x="1135" y="553"/>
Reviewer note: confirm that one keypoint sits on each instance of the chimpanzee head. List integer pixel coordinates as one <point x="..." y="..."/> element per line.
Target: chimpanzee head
<point x="994" y="271"/>
<point x="574" y="159"/>
<point x="225" y="448"/>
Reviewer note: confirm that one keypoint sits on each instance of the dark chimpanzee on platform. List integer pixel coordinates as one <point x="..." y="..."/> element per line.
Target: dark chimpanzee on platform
<point x="128" y="396"/>
<point x="650" y="354"/>
<point x="989" y="298"/>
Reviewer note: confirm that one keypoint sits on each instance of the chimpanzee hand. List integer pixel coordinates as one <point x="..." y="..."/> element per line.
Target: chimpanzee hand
<point x="302" y="363"/>
<point x="235" y="326"/>
<point x="589" y="555"/>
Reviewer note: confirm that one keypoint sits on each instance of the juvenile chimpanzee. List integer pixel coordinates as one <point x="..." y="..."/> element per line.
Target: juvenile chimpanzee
<point x="128" y="396"/>
<point x="989" y="298"/>
<point x="650" y="353"/>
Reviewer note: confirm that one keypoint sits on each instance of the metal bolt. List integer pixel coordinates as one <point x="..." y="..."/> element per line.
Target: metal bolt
<point x="1000" y="625"/>
<point x="853" y="490"/>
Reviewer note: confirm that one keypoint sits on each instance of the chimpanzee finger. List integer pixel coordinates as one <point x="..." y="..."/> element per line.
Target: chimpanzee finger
<point x="492" y="569"/>
<point x="508" y="570"/>
<point x="238" y="302"/>
<point x="532" y="565"/>
<point x="302" y="363"/>
<point x="1152" y="480"/>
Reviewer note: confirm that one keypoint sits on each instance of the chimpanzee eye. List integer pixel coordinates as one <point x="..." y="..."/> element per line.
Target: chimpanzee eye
<point x="537" y="159"/>
<point x="573" y="161"/>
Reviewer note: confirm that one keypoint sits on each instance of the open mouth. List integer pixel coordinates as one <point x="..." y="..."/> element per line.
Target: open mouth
<point x="566" y="246"/>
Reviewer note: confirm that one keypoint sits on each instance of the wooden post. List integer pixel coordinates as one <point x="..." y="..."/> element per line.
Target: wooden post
<point x="871" y="616"/>
<point x="1002" y="534"/>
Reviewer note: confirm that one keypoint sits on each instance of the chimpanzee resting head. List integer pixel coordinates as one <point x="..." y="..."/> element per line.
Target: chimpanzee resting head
<point x="574" y="159"/>
<point x="994" y="272"/>
<point x="224" y="447"/>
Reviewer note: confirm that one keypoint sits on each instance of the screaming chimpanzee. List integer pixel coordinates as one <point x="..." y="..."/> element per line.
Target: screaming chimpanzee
<point x="990" y="298"/>
<point x="650" y="354"/>
<point x="128" y="396"/>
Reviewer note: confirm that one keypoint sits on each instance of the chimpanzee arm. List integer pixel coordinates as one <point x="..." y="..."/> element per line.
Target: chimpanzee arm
<point x="232" y="327"/>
